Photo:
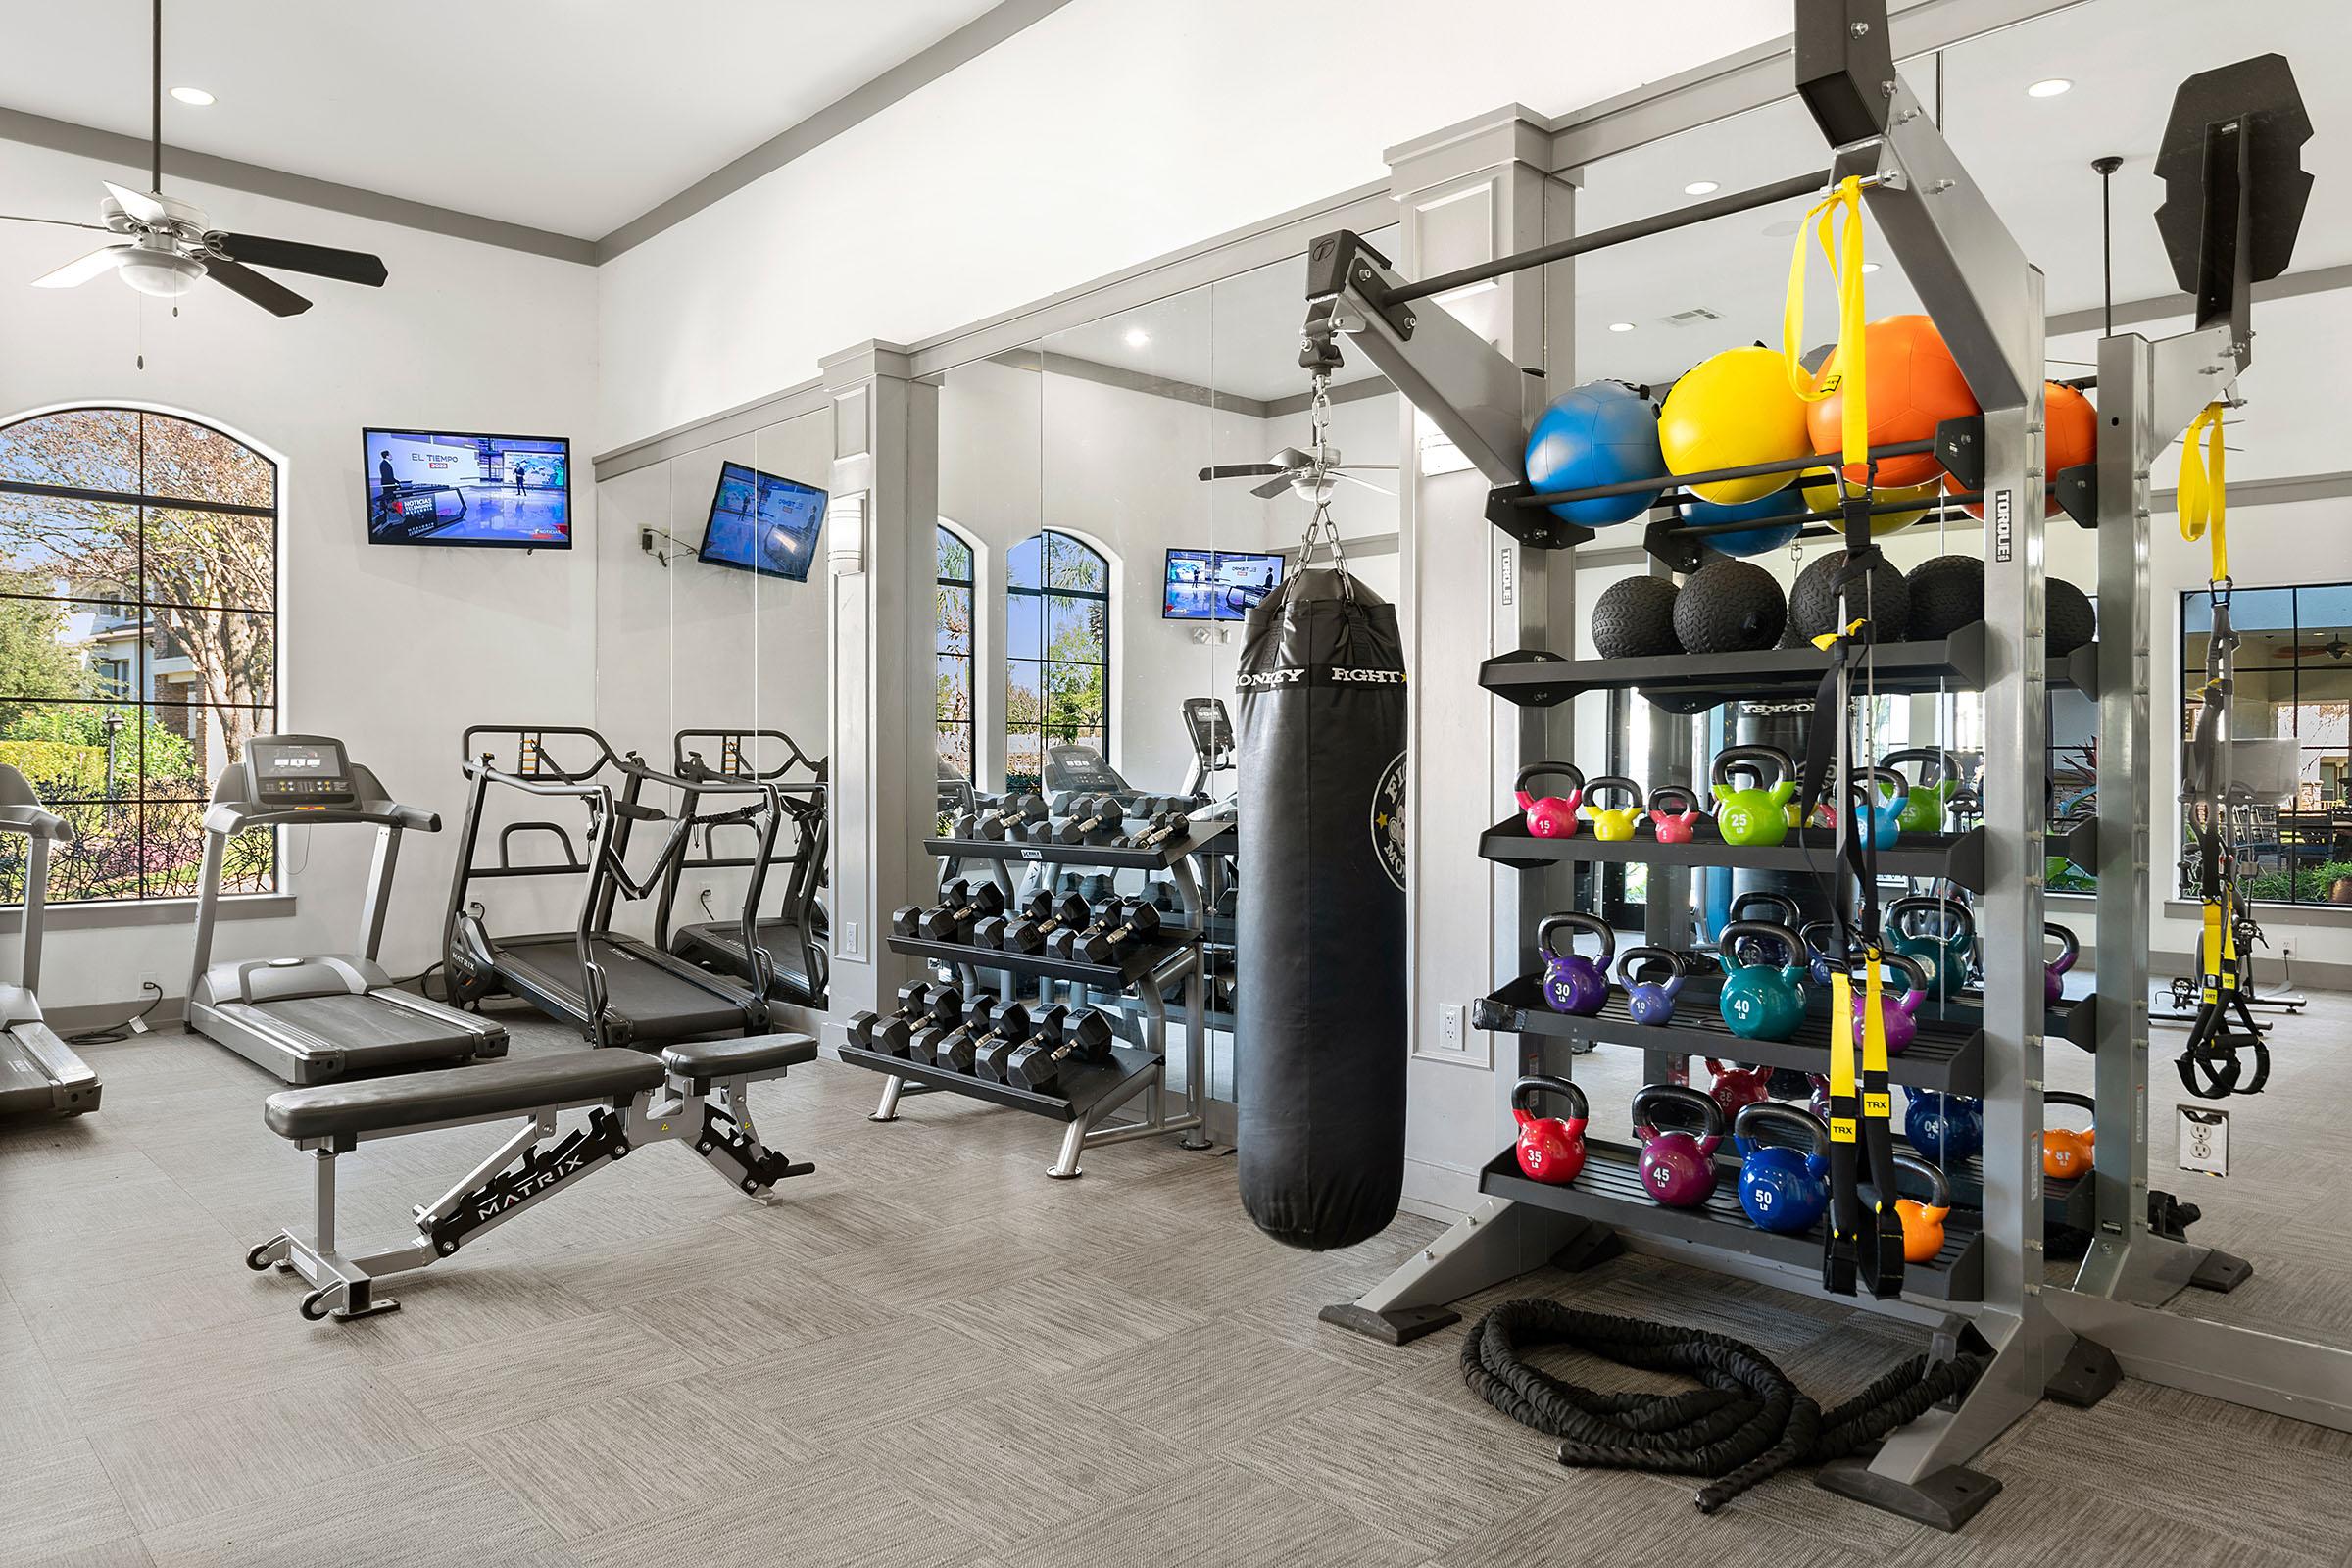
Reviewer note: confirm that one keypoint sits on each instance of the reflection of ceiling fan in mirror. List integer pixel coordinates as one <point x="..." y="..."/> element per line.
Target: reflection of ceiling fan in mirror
<point x="2335" y="648"/>
<point x="1302" y="473"/>
<point x="167" y="246"/>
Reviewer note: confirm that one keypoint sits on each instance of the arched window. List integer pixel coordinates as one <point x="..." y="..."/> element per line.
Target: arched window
<point x="1057" y="651"/>
<point x="138" y="641"/>
<point x="955" y="651"/>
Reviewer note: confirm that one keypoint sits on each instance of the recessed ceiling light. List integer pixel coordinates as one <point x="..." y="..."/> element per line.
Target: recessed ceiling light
<point x="192" y="95"/>
<point x="1621" y="326"/>
<point x="1701" y="187"/>
<point x="1870" y="266"/>
<point x="1137" y="337"/>
<point x="2049" y="87"/>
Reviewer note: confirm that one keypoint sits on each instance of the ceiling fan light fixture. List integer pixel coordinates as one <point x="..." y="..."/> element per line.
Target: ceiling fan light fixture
<point x="165" y="275"/>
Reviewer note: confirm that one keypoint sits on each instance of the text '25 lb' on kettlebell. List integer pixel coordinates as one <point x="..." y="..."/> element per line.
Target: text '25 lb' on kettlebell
<point x="1898" y="1015"/>
<point x="1756" y="814"/>
<point x="1923" y="1223"/>
<point x="1549" y="1149"/>
<point x="1674" y="814"/>
<point x="1648" y="1000"/>
<point x="1947" y="1128"/>
<point x="1613" y="824"/>
<point x="1938" y="933"/>
<point x="1782" y="1188"/>
<point x="2053" y="972"/>
<point x="1573" y="983"/>
<point x="1678" y="1168"/>
<point x="1550" y="817"/>
<point x="1923" y="802"/>
<point x="1761" y="1000"/>
<point x="2067" y="1154"/>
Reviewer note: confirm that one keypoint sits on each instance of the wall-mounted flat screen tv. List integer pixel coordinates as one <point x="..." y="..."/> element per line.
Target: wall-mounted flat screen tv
<point x="457" y="487"/>
<point x="1216" y="584"/>
<point x="763" y="522"/>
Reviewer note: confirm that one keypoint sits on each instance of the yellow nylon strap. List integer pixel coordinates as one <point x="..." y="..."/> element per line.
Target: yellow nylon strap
<point x="1831" y="639"/>
<point x="1845" y="365"/>
<point x="2202" y="502"/>
<point x="1841" y="1051"/>
<point x="1874" y="1024"/>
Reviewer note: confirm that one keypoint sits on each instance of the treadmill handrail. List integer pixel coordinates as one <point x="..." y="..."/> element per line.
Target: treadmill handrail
<point x="680" y="753"/>
<point x="236" y="816"/>
<point x="33" y="822"/>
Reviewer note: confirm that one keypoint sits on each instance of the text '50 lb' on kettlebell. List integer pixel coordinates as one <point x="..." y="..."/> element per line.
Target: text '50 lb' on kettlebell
<point x="1782" y="1188"/>
<point x="1923" y="802"/>
<point x="1550" y="817"/>
<point x="1678" y="1168"/>
<point x="1650" y="1001"/>
<point x="1754" y="815"/>
<point x="1614" y="824"/>
<point x="2065" y="1153"/>
<point x="1938" y="933"/>
<point x="1674" y="814"/>
<point x="1761" y="1000"/>
<point x="2053" y="972"/>
<point x="1572" y="983"/>
<point x="1898" y="1015"/>
<point x="1549" y="1149"/>
<point x="1923" y="1223"/>
<point x="1947" y="1128"/>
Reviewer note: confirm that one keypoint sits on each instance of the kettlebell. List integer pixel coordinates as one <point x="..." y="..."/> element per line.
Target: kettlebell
<point x="1781" y="906"/>
<point x="1923" y="802"/>
<point x="1816" y="936"/>
<point x="2065" y="1153"/>
<point x="2053" y="973"/>
<point x="1614" y="824"/>
<point x="1678" y="826"/>
<point x="1551" y="816"/>
<point x="1678" y="1168"/>
<point x="1736" y="1087"/>
<point x="1761" y="1000"/>
<point x="1818" y="1102"/>
<point x="1755" y="815"/>
<point x="1879" y="815"/>
<point x="1572" y="983"/>
<point x="1650" y="1001"/>
<point x="1783" y="1188"/>
<point x="1898" y="1016"/>
<point x="1549" y="1149"/>
<point x="1944" y="951"/>
<point x="1949" y="1129"/>
<point x="1923" y="1223"/>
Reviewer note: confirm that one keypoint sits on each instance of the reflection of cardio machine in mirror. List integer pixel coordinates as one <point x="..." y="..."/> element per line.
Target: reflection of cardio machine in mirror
<point x="38" y="1071"/>
<point x="1211" y="733"/>
<point x="793" y="939"/>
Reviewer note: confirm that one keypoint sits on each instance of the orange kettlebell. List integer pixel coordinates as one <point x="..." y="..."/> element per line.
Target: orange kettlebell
<point x="2065" y="1153"/>
<point x="1923" y="1223"/>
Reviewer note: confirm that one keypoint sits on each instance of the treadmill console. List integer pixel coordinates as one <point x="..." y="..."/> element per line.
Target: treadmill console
<point x="299" y="772"/>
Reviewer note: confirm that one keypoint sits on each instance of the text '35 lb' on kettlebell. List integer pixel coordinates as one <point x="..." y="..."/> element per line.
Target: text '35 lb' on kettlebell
<point x="1574" y="984"/>
<point x="1755" y="815"/>
<point x="1678" y="1167"/>
<point x="1549" y="1149"/>
<point x="1550" y="817"/>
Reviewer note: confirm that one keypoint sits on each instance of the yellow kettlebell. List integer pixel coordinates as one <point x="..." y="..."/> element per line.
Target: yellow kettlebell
<point x="1923" y="1223"/>
<point x="2065" y="1153"/>
<point x="1613" y="824"/>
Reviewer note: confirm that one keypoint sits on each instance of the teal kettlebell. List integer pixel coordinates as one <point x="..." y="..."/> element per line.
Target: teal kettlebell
<point x="1922" y="805"/>
<point x="1937" y="934"/>
<point x="1761" y="1000"/>
<point x="1878" y="814"/>
<point x="1754" y="815"/>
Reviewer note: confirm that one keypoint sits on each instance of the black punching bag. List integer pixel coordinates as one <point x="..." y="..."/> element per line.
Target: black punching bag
<point x="1319" y="974"/>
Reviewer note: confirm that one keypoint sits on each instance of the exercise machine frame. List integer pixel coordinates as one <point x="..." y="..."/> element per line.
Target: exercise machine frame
<point x="38" y="1071"/>
<point x="804" y="800"/>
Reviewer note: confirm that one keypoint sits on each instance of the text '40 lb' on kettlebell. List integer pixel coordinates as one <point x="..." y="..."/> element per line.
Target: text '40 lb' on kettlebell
<point x="1782" y="1188"/>
<point x="1678" y="1168"/>
<point x="1761" y="1000"/>
<point x="1614" y="824"/>
<point x="1755" y="815"/>
<point x="1574" y="984"/>
<point x="1649" y="1000"/>
<point x="1550" y="817"/>
<point x="1549" y="1149"/>
<point x="2067" y="1154"/>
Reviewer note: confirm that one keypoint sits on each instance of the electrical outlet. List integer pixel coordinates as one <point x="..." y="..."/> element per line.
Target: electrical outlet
<point x="147" y="978"/>
<point x="1450" y="1026"/>
<point x="2287" y="947"/>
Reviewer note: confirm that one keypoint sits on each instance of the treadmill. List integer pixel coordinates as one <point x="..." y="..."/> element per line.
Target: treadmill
<point x="615" y="989"/>
<point x="313" y="1020"/>
<point x="793" y="939"/>
<point x="40" y="1073"/>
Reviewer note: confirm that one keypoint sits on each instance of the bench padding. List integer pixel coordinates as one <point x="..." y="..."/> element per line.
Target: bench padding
<point x="757" y="1056"/>
<point x="511" y="1087"/>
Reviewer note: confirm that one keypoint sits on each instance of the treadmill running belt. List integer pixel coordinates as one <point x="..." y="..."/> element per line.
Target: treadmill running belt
<point x="367" y="1032"/>
<point x="658" y="1003"/>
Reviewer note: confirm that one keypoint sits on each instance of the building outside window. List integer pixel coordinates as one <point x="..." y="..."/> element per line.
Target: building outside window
<point x="1058" y="652"/>
<point x="953" y="650"/>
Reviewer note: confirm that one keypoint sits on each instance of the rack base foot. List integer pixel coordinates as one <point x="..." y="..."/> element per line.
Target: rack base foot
<point x="1944" y="1501"/>
<point x="1196" y="1141"/>
<point x="2221" y="1272"/>
<point x="2087" y="1374"/>
<point x="1397" y="1326"/>
<point x="1589" y="1247"/>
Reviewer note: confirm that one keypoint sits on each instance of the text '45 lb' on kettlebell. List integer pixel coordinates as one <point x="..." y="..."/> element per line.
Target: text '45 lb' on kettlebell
<point x="1549" y="1149"/>
<point x="1923" y="802"/>
<point x="1923" y="1223"/>
<point x="1782" y="1188"/>
<point x="1761" y="1000"/>
<point x="1674" y="814"/>
<point x="1938" y="933"/>
<point x="1753" y="814"/>
<point x="1573" y="983"/>
<point x="2066" y="1153"/>
<point x="1898" y="1015"/>
<point x="1678" y="1168"/>
<point x="1650" y="1001"/>
<point x="1614" y="824"/>
<point x="1550" y="817"/>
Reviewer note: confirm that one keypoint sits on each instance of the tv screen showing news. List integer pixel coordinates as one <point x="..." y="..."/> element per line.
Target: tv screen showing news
<point x="1216" y="584"/>
<point x="763" y="522"/>
<point x="452" y="487"/>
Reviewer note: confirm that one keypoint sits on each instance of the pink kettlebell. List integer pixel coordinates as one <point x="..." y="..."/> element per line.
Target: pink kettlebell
<point x="1898" y="1016"/>
<point x="1675" y="826"/>
<point x="1551" y="816"/>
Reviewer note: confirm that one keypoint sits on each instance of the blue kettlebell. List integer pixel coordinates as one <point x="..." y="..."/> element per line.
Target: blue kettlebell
<point x="1782" y="1188"/>
<point x="1944" y="945"/>
<point x="1949" y="1129"/>
<point x="1761" y="1000"/>
<point x="1816" y="950"/>
<point x="1650" y="1001"/>
<point x="1879" y="815"/>
<point x="1573" y="983"/>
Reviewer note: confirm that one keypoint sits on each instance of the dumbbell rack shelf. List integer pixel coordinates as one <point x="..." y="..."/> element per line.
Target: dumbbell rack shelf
<point x="1957" y="856"/>
<point x="1133" y="965"/>
<point x="1084" y="1089"/>
<point x="1161" y="856"/>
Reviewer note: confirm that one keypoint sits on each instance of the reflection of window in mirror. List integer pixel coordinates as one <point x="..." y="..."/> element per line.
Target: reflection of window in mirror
<point x="1057" y="651"/>
<point x="954" y="648"/>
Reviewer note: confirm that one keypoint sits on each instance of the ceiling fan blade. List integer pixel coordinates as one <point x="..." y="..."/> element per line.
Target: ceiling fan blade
<point x="1384" y="468"/>
<point x="267" y="292"/>
<point x="59" y="223"/>
<point x="1272" y="487"/>
<point x="1350" y="478"/>
<point x="1293" y="458"/>
<point x="138" y="205"/>
<point x="73" y="275"/>
<point x="1239" y="470"/>
<point x="292" y="256"/>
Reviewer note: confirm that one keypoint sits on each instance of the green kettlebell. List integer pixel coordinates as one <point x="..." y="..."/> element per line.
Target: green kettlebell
<point x="1923" y="810"/>
<point x="1754" y="815"/>
<point x="1937" y="934"/>
<point x="1761" y="1000"/>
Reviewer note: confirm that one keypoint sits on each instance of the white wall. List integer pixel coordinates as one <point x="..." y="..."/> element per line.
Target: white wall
<point x="395" y="650"/>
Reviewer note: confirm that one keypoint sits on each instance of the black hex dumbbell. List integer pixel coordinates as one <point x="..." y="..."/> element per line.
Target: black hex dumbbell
<point x="990" y="932"/>
<point x="993" y="1053"/>
<point x="1015" y="813"/>
<point x="924" y="1044"/>
<point x="1063" y="943"/>
<point x="919" y="1002"/>
<point x="1102" y="814"/>
<point x="1030" y="935"/>
<point x="952" y="921"/>
<point x="1101" y="945"/>
<point x="1040" y="1063"/>
<point x="958" y="1052"/>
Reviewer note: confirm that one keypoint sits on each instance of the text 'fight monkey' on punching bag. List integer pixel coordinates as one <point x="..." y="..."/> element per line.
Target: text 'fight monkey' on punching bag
<point x="1319" y="975"/>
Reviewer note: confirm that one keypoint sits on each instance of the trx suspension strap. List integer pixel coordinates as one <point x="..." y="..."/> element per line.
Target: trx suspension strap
<point x="2210" y="1065"/>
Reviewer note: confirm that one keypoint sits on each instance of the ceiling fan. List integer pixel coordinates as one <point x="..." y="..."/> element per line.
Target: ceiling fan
<point x="167" y="246"/>
<point x="2335" y="648"/>
<point x="1300" y="472"/>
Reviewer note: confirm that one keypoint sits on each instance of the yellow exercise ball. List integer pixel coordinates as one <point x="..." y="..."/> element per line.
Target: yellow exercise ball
<point x="1821" y="495"/>
<point x="1729" y="411"/>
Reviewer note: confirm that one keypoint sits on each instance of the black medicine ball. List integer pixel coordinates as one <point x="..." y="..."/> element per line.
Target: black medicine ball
<point x="1635" y="618"/>
<point x="1813" y="601"/>
<point x="1729" y="607"/>
<point x="1947" y="593"/>
<point x="2072" y="622"/>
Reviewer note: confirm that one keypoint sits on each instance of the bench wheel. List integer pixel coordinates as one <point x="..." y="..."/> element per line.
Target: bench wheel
<point x="259" y="1259"/>
<point x="314" y="1306"/>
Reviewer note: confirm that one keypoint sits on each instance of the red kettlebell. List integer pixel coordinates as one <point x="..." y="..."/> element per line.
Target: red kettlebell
<point x="1736" y="1087"/>
<point x="1680" y="825"/>
<point x="1551" y="816"/>
<point x="1549" y="1149"/>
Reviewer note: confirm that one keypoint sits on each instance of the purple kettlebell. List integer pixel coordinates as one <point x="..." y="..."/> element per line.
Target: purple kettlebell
<point x="1650" y="1001"/>
<point x="1898" y="1016"/>
<point x="2053" y="973"/>
<point x="1572" y="983"/>
<point x="1678" y="1168"/>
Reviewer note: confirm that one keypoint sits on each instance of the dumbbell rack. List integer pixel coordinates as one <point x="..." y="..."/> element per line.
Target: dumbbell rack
<point x="1087" y="1093"/>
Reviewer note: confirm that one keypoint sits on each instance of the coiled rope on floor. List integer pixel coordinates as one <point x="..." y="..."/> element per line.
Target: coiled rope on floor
<point x="1748" y="1424"/>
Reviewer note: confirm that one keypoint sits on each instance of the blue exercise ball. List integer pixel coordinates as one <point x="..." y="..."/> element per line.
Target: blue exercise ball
<point x="1603" y="432"/>
<point x="1788" y="503"/>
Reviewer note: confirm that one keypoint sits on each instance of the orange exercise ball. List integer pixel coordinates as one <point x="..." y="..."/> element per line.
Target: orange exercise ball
<point x="2070" y="437"/>
<point x="1914" y="385"/>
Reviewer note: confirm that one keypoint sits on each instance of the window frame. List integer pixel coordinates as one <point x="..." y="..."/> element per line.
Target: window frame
<point x="1107" y="597"/>
<point x="970" y="657"/>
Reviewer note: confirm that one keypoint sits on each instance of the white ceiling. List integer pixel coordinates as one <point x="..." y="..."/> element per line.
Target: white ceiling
<point x="573" y="115"/>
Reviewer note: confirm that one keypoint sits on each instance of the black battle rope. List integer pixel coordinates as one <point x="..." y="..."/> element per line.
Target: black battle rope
<point x="1748" y="1423"/>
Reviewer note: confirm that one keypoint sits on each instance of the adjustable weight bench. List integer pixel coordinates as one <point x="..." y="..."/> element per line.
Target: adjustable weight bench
<point x="693" y="1093"/>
